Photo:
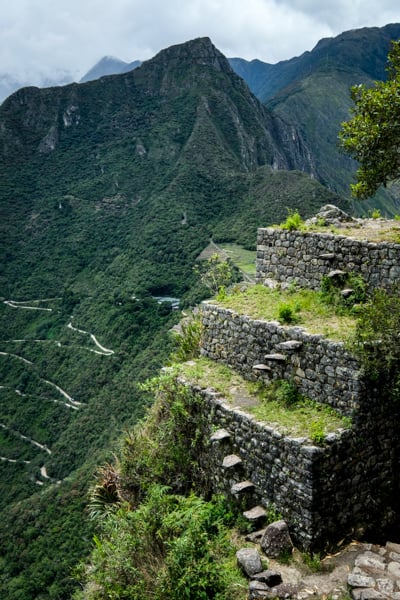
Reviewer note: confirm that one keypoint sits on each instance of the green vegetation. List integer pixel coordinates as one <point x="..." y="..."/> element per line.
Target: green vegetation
<point x="375" y="213"/>
<point x="372" y="136"/>
<point x="316" y="100"/>
<point x="141" y="175"/>
<point x="156" y="536"/>
<point x="170" y="546"/>
<point x="216" y="274"/>
<point x="376" y="338"/>
<point x="279" y="403"/>
<point x="187" y="339"/>
<point x="293" y="221"/>
<point x="331" y="291"/>
<point x="304" y="307"/>
<point x="244" y="259"/>
<point x="139" y="180"/>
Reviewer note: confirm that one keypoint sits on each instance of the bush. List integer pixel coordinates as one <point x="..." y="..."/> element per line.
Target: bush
<point x="187" y="339"/>
<point x="331" y="290"/>
<point x="376" y="338"/>
<point x="288" y="393"/>
<point x="286" y="313"/>
<point x="293" y="221"/>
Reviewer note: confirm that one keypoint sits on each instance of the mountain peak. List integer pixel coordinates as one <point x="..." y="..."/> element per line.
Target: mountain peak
<point x="108" y="65"/>
<point x="199" y="51"/>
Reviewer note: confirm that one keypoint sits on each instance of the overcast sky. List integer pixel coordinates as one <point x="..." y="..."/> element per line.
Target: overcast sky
<point x="42" y="36"/>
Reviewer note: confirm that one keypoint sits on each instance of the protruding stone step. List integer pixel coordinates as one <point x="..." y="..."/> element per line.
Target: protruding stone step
<point x="231" y="461"/>
<point x="327" y="256"/>
<point x="256" y="513"/>
<point x="242" y="487"/>
<point x="347" y="292"/>
<point x="275" y="357"/>
<point x="256" y="536"/>
<point x="219" y="435"/>
<point x="261" y="367"/>
<point x="335" y="274"/>
<point x="290" y="345"/>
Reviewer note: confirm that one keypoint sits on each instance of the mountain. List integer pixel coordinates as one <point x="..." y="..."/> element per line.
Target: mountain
<point x="109" y="191"/>
<point x="109" y="65"/>
<point x="313" y="93"/>
<point x="9" y="83"/>
<point x="363" y="51"/>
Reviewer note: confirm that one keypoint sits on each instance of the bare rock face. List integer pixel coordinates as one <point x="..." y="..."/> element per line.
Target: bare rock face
<point x="276" y="540"/>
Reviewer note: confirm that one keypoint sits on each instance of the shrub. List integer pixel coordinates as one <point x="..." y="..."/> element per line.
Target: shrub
<point x="376" y="338"/>
<point x="286" y="313"/>
<point x="293" y="221"/>
<point x="187" y="339"/>
<point x="375" y="213"/>
<point x="318" y="432"/>
<point x="288" y="393"/>
<point x="216" y="273"/>
<point x="331" y="290"/>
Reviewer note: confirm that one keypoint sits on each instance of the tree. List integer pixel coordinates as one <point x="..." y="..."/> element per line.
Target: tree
<point x="216" y="274"/>
<point x="372" y="135"/>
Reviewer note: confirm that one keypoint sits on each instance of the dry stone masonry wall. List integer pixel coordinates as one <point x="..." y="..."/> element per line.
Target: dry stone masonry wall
<point x="258" y="349"/>
<point x="303" y="258"/>
<point x="324" y="492"/>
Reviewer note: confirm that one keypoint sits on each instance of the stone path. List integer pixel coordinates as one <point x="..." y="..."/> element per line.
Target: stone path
<point x="359" y="571"/>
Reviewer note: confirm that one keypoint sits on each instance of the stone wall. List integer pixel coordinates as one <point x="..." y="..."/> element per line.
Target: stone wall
<point x="321" y="368"/>
<point x="323" y="493"/>
<point x="304" y="257"/>
<point x="350" y="483"/>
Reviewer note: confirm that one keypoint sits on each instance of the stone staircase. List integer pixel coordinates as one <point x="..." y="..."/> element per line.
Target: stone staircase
<point x="241" y="490"/>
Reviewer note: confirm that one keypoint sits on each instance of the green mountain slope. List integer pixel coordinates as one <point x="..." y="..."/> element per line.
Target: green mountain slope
<point x="363" y="51"/>
<point x="313" y="93"/>
<point x="109" y="192"/>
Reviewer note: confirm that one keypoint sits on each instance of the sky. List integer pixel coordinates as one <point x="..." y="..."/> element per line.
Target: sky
<point x="43" y="38"/>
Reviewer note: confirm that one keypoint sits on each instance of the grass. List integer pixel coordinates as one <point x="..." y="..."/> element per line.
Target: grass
<point x="372" y="230"/>
<point x="305" y="308"/>
<point x="267" y="403"/>
<point x="244" y="259"/>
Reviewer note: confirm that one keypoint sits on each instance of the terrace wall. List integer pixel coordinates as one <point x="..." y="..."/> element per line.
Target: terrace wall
<point x="304" y="257"/>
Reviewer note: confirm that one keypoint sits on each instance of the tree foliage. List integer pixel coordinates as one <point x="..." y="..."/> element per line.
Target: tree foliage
<point x="372" y="135"/>
<point x="216" y="273"/>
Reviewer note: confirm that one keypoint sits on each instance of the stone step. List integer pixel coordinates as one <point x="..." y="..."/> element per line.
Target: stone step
<point x="347" y="292"/>
<point x="255" y="513"/>
<point x="336" y="273"/>
<point x="290" y="345"/>
<point x="231" y="461"/>
<point x="275" y="357"/>
<point x="219" y="435"/>
<point x="242" y="487"/>
<point x="261" y="367"/>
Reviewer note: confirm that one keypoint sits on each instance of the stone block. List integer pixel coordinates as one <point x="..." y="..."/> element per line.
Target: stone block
<point x="249" y="561"/>
<point x="276" y="539"/>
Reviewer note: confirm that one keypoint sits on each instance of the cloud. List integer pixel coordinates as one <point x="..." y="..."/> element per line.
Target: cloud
<point x="41" y="37"/>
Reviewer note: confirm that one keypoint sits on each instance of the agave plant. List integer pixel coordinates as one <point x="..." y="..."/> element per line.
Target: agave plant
<point x="105" y="493"/>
